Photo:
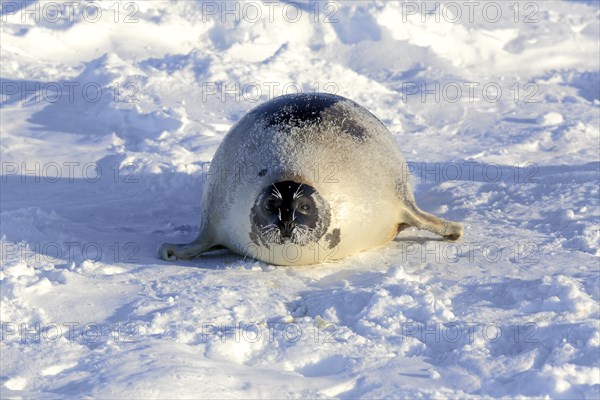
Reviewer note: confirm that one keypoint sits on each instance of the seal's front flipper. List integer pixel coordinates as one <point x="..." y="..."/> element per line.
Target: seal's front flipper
<point x="172" y="252"/>
<point x="449" y="230"/>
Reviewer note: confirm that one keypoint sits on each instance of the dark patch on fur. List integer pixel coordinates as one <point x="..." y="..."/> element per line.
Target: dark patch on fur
<point x="345" y="123"/>
<point x="333" y="238"/>
<point x="263" y="172"/>
<point x="295" y="109"/>
<point x="300" y="110"/>
<point x="400" y="187"/>
<point x="403" y="191"/>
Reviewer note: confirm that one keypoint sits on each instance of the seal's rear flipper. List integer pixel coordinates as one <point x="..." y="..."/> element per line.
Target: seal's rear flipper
<point x="172" y="252"/>
<point x="449" y="230"/>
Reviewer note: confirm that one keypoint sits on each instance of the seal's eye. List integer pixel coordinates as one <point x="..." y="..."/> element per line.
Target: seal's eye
<point x="270" y="205"/>
<point x="304" y="207"/>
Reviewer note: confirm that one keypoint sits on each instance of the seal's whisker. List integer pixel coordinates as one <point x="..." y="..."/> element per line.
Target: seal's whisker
<point x="276" y="192"/>
<point x="298" y="192"/>
<point x="302" y="235"/>
<point x="271" y="233"/>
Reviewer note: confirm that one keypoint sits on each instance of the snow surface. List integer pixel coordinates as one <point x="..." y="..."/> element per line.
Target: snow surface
<point x="91" y="186"/>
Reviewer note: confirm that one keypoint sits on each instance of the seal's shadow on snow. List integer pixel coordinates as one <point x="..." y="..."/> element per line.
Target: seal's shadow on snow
<point x="96" y="210"/>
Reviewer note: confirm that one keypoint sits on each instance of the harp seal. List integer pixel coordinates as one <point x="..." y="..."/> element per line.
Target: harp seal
<point x="306" y="178"/>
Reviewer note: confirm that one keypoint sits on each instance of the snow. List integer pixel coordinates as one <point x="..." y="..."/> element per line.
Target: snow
<point x="109" y="125"/>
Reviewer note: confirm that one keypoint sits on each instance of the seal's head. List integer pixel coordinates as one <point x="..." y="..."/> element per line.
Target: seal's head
<point x="289" y="212"/>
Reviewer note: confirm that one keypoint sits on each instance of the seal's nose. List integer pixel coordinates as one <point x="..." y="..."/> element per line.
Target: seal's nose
<point x="286" y="228"/>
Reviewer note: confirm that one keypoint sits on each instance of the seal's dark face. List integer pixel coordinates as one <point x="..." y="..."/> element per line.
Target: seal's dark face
<point x="288" y="212"/>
